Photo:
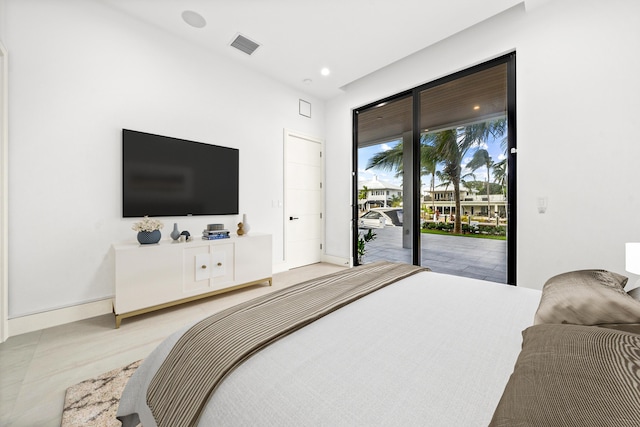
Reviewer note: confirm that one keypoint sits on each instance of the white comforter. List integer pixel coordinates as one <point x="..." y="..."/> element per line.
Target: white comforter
<point x="430" y="350"/>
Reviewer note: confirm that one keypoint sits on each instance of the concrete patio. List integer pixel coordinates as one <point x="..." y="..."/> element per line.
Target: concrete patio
<point x="484" y="259"/>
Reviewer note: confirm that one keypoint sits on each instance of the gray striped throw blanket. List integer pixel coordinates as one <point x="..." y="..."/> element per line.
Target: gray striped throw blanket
<point x="212" y="348"/>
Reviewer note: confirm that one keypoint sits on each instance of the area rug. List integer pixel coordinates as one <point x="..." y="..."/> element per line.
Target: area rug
<point x="94" y="402"/>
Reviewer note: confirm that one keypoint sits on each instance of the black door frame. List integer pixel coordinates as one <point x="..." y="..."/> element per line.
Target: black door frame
<point x="510" y="61"/>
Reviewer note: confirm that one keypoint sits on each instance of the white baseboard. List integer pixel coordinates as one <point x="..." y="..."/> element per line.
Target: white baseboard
<point x="336" y="260"/>
<point x="329" y="259"/>
<point x="279" y="267"/>
<point x="48" y="319"/>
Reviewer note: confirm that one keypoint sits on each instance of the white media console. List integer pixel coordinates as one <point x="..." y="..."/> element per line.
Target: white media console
<point x="152" y="277"/>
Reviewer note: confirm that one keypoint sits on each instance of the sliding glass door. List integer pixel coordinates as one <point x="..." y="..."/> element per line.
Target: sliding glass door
<point x="450" y="146"/>
<point x="384" y="186"/>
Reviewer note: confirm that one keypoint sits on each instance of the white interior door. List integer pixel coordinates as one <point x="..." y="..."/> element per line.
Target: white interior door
<point x="303" y="207"/>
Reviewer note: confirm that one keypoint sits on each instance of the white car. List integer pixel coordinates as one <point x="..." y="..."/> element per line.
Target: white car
<point x="380" y="218"/>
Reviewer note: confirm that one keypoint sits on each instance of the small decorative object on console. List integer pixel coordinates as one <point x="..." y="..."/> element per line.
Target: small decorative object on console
<point x="148" y="230"/>
<point x="240" y="231"/>
<point x="175" y="234"/>
<point x="149" y="237"/>
<point x="245" y="224"/>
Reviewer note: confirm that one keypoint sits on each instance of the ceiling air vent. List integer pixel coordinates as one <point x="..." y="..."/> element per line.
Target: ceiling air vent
<point x="244" y="44"/>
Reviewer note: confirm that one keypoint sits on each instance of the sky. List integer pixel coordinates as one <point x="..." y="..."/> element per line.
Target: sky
<point x="364" y="154"/>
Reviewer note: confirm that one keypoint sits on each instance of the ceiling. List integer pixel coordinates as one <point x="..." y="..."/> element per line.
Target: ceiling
<point x="297" y="38"/>
<point x="476" y="97"/>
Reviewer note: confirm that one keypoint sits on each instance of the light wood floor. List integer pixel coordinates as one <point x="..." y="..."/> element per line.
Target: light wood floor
<point x="37" y="368"/>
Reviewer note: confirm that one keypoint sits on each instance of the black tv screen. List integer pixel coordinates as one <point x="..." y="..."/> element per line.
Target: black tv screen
<point x="163" y="176"/>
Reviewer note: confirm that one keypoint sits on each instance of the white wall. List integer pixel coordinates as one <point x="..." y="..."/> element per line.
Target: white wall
<point x="79" y="73"/>
<point x="577" y="108"/>
<point x="3" y="19"/>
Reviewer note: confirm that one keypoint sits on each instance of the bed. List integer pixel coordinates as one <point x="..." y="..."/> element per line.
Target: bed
<point x="422" y="348"/>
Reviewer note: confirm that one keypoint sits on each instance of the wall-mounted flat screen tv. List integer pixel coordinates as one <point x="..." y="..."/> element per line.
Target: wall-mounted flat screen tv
<point x="163" y="176"/>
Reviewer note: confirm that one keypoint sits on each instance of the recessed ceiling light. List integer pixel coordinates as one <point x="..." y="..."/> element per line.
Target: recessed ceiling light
<point x="325" y="71"/>
<point x="476" y="107"/>
<point x="194" y="19"/>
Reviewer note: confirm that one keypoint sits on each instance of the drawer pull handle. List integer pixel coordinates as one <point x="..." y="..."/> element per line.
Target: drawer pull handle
<point x="203" y="266"/>
<point x="219" y="264"/>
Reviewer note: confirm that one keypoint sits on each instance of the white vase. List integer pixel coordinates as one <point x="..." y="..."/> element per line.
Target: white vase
<point x="245" y="224"/>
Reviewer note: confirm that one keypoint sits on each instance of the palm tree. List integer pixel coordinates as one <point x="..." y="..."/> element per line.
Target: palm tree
<point x="392" y="160"/>
<point x="362" y="194"/>
<point x="448" y="147"/>
<point x="388" y="160"/>
<point x="481" y="158"/>
<point x="429" y="166"/>
<point x="500" y="174"/>
<point x="452" y="145"/>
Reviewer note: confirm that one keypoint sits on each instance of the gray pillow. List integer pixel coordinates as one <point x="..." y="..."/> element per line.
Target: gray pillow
<point x="634" y="328"/>
<point x="634" y="293"/>
<point x="587" y="297"/>
<point x="571" y="375"/>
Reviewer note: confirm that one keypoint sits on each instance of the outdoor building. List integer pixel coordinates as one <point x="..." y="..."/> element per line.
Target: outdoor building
<point x="378" y="194"/>
<point x="472" y="202"/>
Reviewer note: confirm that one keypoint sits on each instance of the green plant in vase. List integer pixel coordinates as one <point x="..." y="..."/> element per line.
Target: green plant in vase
<point x="363" y="239"/>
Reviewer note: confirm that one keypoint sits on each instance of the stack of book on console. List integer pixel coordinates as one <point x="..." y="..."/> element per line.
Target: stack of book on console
<point x="215" y="231"/>
<point x="215" y="234"/>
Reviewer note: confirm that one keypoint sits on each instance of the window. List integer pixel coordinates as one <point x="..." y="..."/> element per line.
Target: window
<point x="448" y="144"/>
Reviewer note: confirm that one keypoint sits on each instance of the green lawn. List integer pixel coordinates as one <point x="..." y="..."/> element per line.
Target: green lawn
<point x="473" y="235"/>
